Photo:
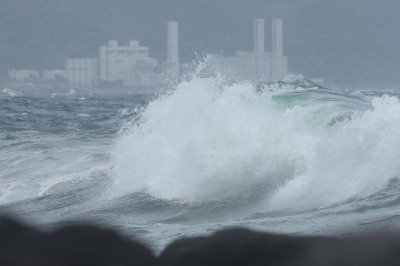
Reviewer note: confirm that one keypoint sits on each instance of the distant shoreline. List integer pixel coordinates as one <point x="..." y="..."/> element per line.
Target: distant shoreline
<point x="31" y="89"/>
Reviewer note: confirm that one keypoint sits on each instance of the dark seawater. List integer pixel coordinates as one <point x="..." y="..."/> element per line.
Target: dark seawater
<point x="291" y="159"/>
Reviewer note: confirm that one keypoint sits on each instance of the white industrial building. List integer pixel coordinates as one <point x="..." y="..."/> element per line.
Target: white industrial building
<point x="131" y="64"/>
<point x="258" y="64"/>
<point x="82" y="71"/>
<point x="52" y="74"/>
<point x="23" y="75"/>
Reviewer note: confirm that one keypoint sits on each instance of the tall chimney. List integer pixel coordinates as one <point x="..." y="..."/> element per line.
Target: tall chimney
<point x="259" y="47"/>
<point x="173" y="42"/>
<point x="277" y="37"/>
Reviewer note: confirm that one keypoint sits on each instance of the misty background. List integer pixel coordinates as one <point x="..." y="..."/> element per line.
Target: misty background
<point x="348" y="43"/>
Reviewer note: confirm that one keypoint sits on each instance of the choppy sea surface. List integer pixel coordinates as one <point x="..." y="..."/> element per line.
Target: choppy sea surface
<point x="289" y="158"/>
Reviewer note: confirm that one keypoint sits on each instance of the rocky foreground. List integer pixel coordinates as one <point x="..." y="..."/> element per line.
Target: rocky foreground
<point x="83" y="245"/>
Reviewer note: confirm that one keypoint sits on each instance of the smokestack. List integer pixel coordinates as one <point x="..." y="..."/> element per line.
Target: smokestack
<point x="259" y="47"/>
<point x="173" y="42"/>
<point x="277" y="37"/>
<point x="173" y="48"/>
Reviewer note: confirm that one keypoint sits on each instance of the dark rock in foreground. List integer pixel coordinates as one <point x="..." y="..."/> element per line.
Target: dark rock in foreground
<point x="78" y="245"/>
<point x="88" y="245"/>
<point x="236" y="247"/>
<point x="245" y="247"/>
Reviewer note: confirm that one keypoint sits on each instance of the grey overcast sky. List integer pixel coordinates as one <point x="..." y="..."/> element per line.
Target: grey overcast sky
<point x="349" y="43"/>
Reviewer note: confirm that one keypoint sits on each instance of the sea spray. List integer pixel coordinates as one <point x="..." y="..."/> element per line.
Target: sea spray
<point x="290" y="157"/>
<point x="209" y="140"/>
<point x="355" y="162"/>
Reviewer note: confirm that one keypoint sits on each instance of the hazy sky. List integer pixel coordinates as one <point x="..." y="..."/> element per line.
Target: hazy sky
<point x="350" y="43"/>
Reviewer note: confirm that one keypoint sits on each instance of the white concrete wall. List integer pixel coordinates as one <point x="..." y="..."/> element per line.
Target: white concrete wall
<point x="134" y="79"/>
<point x="120" y="62"/>
<point x="51" y="74"/>
<point x="82" y="71"/>
<point x="284" y="70"/>
<point x="260" y="67"/>
<point x="268" y="64"/>
<point x="21" y="75"/>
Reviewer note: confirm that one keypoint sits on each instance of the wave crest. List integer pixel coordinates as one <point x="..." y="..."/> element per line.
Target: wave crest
<point x="308" y="147"/>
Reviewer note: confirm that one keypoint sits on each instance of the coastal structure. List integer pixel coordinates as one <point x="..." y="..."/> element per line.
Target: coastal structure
<point x="258" y="64"/>
<point x="130" y="64"/>
<point x="171" y="68"/>
<point x="54" y="74"/>
<point x="23" y="75"/>
<point x="82" y="71"/>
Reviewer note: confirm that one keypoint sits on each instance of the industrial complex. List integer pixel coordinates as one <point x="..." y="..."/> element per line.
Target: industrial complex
<point x="258" y="64"/>
<point x="132" y="66"/>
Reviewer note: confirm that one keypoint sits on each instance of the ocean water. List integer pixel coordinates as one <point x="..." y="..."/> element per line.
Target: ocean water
<point x="287" y="157"/>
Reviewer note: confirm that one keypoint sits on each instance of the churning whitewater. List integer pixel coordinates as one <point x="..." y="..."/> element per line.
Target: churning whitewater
<point x="287" y="156"/>
<point x="305" y="148"/>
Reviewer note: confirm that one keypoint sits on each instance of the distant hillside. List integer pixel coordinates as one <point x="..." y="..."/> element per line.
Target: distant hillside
<point x="347" y="42"/>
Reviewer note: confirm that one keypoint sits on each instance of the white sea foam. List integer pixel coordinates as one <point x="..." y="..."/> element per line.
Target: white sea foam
<point x="357" y="161"/>
<point x="208" y="140"/>
<point x="11" y="93"/>
<point x="47" y="184"/>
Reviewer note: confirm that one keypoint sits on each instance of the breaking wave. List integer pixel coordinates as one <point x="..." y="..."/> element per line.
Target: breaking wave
<point x="302" y="145"/>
